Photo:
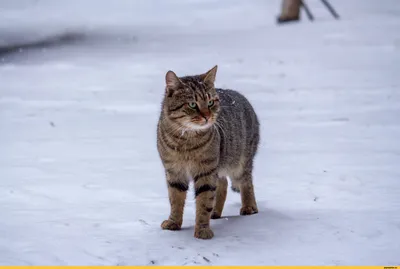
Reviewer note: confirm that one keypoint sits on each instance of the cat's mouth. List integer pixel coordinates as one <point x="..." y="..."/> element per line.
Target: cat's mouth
<point x="199" y="125"/>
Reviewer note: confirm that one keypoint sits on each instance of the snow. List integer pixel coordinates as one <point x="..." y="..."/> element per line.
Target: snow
<point x="81" y="182"/>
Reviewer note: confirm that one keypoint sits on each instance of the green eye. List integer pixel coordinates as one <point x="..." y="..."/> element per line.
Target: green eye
<point x="192" y="105"/>
<point x="210" y="103"/>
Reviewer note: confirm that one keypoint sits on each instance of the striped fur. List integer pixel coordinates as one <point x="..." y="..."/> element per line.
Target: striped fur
<point x="206" y="134"/>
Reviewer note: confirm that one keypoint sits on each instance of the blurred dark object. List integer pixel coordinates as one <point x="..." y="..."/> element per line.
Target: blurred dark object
<point x="290" y="11"/>
<point x="47" y="42"/>
<point x="331" y="9"/>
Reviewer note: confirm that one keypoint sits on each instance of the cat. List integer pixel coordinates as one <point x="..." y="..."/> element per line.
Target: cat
<point x="206" y="134"/>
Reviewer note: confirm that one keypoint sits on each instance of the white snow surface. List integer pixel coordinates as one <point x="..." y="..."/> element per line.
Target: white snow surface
<point x="81" y="182"/>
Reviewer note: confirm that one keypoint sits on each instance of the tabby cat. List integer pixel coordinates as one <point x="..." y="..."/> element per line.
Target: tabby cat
<point x="206" y="134"/>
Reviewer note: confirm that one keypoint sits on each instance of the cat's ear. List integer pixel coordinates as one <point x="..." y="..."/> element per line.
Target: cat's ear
<point x="172" y="81"/>
<point x="209" y="77"/>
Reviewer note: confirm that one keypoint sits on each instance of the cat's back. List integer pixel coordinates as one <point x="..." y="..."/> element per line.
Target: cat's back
<point x="240" y="128"/>
<point x="235" y="105"/>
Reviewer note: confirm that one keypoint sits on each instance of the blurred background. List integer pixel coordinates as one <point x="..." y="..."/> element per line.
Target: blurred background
<point x="81" y="83"/>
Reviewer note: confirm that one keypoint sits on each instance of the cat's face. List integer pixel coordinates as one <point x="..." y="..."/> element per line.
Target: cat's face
<point x="192" y="101"/>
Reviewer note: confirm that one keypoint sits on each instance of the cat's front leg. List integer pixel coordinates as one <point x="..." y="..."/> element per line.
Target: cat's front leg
<point x="205" y="186"/>
<point x="177" y="189"/>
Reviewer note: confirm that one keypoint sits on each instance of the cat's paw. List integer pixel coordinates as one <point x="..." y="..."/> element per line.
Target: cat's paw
<point x="203" y="233"/>
<point x="235" y="188"/>
<point x="248" y="210"/>
<point x="170" y="225"/>
<point x="215" y="215"/>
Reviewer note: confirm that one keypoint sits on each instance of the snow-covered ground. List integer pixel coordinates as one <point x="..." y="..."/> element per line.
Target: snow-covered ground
<point x="81" y="182"/>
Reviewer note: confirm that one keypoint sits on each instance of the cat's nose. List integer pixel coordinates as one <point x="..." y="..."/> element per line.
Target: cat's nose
<point x="205" y="114"/>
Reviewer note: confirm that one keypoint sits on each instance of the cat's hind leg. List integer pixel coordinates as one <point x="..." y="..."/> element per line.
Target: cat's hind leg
<point x="249" y="205"/>
<point x="244" y="183"/>
<point x="235" y="186"/>
<point x="220" y="197"/>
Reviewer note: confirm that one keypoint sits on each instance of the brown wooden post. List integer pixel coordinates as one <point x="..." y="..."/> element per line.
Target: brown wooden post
<point x="290" y="11"/>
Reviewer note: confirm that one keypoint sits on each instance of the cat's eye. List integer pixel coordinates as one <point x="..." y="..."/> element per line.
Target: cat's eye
<point x="210" y="103"/>
<point x="192" y="105"/>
